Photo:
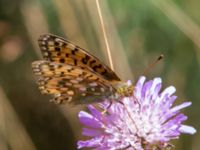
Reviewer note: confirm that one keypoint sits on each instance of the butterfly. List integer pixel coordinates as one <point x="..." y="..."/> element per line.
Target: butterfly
<point x="73" y="75"/>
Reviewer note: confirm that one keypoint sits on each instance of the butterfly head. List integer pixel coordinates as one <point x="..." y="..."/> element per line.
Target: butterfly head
<point x="125" y="89"/>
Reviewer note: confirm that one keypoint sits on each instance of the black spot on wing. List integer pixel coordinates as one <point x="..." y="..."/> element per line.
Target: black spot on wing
<point x="86" y="59"/>
<point x="57" y="49"/>
<point x="62" y="60"/>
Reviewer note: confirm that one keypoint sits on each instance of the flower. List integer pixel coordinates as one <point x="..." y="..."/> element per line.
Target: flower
<point x="145" y="120"/>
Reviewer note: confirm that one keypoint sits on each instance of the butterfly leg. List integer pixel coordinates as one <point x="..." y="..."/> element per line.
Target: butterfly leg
<point x="106" y="109"/>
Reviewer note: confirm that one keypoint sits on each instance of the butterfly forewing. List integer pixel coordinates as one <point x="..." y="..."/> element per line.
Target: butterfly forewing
<point x="56" y="49"/>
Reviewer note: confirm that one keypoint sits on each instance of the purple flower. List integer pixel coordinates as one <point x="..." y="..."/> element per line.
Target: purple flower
<point x="145" y="120"/>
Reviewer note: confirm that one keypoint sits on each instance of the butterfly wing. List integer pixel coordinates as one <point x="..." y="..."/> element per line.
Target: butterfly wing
<point x="71" y="83"/>
<point x="56" y="49"/>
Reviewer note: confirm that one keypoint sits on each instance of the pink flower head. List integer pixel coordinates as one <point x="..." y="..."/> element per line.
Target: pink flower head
<point x="144" y="121"/>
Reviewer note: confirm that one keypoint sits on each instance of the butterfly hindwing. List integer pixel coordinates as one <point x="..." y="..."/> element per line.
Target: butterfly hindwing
<point x="56" y="49"/>
<point x="70" y="83"/>
<point x="72" y="94"/>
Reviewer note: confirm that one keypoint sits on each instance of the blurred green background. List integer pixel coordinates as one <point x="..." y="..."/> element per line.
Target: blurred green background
<point x="138" y="32"/>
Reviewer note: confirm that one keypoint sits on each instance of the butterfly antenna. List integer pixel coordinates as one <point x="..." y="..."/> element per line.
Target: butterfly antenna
<point x="146" y="71"/>
<point x="105" y="35"/>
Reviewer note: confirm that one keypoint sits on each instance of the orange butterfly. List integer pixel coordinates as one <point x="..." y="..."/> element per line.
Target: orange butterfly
<point x="75" y="76"/>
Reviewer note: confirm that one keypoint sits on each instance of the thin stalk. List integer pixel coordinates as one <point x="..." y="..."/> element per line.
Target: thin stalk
<point x="105" y="35"/>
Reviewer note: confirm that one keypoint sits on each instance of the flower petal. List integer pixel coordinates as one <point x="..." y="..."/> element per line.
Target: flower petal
<point x="181" y="106"/>
<point x="155" y="89"/>
<point x="91" y="132"/>
<point x="95" y="112"/>
<point x="169" y="91"/>
<point x="89" y="120"/>
<point x="95" y="142"/>
<point x="187" y="129"/>
<point x="138" y="87"/>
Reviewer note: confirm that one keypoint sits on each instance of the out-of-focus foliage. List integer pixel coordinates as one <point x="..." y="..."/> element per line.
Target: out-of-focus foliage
<point x="138" y="32"/>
